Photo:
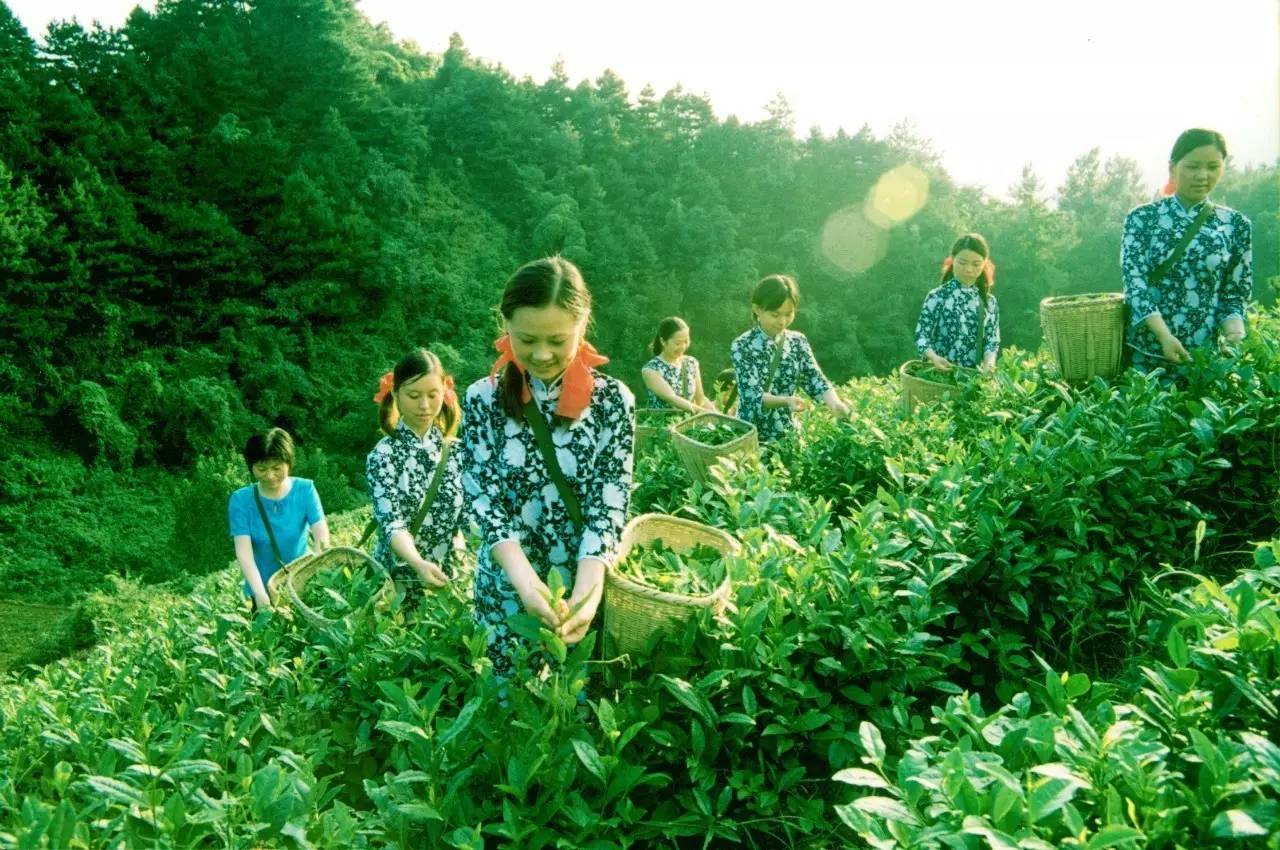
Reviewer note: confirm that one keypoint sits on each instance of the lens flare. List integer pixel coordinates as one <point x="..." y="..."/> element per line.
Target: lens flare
<point x="852" y="242"/>
<point x="899" y="194"/>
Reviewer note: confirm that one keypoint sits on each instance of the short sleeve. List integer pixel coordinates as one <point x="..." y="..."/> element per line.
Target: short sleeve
<point x="315" y="512"/>
<point x="238" y="517"/>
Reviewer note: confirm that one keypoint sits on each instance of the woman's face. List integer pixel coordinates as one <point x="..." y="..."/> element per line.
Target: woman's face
<point x="774" y="322"/>
<point x="966" y="265"/>
<point x="1195" y="175"/>
<point x="545" y="339"/>
<point x="271" y="474"/>
<point x="419" y="401"/>
<point x="676" y="345"/>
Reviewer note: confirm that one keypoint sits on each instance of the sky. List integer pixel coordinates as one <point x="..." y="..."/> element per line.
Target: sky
<point x="994" y="84"/>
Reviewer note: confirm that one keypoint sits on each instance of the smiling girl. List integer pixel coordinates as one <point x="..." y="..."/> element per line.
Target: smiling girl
<point x="773" y="364"/>
<point x="269" y="519"/>
<point x="416" y="503"/>
<point x="547" y="461"/>
<point x="1187" y="263"/>
<point x="673" y="377"/>
<point x="960" y="317"/>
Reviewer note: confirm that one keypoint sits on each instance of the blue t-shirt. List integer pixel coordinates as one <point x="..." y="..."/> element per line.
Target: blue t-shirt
<point x="290" y="518"/>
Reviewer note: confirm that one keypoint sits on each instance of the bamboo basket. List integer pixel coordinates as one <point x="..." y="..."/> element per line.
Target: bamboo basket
<point x="698" y="457"/>
<point x="651" y="427"/>
<point x="634" y="612"/>
<point x="275" y="584"/>
<point x="1084" y="333"/>
<point x="916" y="390"/>
<point x="296" y="578"/>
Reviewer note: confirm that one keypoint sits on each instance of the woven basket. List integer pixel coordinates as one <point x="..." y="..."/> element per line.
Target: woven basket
<point x="917" y="390"/>
<point x="633" y="612"/>
<point x="651" y="427"/>
<point x="296" y="579"/>
<point x="275" y="585"/>
<point x="698" y="457"/>
<point x="1084" y="333"/>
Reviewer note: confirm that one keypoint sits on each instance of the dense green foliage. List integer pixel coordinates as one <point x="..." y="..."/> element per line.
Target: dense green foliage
<point x="913" y="662"/>
<point x="1013" y="619"/>
<point x="224" y="215"/>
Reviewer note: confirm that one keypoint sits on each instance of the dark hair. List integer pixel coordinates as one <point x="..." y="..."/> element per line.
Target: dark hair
<point x="775" y="290"/>
<point x="541" y="283"/>
<point x="272" y="444"/>
<point x="414" y="365"/>
<point x="667" y="328"/>
<point x="977" y="244"/>
<point x="725" y="379"/>
<point x="1197" y="137"/>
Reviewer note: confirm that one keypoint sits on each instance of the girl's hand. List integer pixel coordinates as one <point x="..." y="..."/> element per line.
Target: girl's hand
<point x="708" y="404"/>
<point x="431" y="574"/>
<point x="535" y="598"/>
<point x="1173" y="350"/>
<point x="264" y="603"/>
<point x="938" y="361"/>
<point x="574" y="627"/>
<point x="796" y="403"/>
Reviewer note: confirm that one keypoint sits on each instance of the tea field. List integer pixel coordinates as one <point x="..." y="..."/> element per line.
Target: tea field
<point x="1037" y="616"/>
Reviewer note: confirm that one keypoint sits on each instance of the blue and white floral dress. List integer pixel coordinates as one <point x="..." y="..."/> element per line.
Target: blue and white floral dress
<point x="798" y="370"/>
<point x="1211" y="282"/>
<point x="687" y="369"/>
<point x="398" y="472"/>
<point x="949" y="323"/>
<point x="513" y="497"/>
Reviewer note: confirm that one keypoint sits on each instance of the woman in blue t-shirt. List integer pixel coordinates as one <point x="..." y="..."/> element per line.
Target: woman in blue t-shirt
<point x="291" y="505"/>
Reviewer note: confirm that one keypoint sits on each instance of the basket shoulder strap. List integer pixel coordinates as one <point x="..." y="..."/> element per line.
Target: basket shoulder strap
<point x="271" y="536"/>
<point x="548" y="451"/>
<point x="684" y="377"/>
<point x="1187" y="236"/>
<point x="774" y="363"/>
<point x="982" y="325"/>
<point x="432" y="489"/>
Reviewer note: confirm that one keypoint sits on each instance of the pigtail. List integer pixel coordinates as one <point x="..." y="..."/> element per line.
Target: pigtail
<point x="388" y="414"/>
<point x="511" y="392"/>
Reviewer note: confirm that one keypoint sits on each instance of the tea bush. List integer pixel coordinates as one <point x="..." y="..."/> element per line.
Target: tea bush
<point x="898" y="574"/>
<point x="1187" y="759"/>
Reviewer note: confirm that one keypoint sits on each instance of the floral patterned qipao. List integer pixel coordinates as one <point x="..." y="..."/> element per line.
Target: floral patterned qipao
<point x="513" y="497"/>
<point x="949" y="324"/>
<point x="1210" y="283"/>
<point x="684" y="389"/>
<point x="752" y="353"/>
<point x="399" y="471"/>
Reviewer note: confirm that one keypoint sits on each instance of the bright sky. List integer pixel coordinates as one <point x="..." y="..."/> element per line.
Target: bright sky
<point x="995" y="84"/>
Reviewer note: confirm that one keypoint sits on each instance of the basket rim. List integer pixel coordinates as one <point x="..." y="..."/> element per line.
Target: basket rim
<point x="906" y="376"/>
<point x="275" y="584"/>
<point x="746" y="428"/>
<point x="295" y="593"/>
<point x="618" y="580"/>
<point x="1087" y="299"/>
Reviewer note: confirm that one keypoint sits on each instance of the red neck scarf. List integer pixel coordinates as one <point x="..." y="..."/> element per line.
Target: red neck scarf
<point x="576" y="385"/>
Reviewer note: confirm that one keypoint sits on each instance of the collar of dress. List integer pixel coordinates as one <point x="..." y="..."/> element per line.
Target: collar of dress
<point x="406" y="433"/>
